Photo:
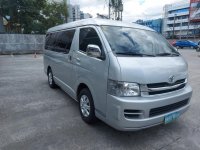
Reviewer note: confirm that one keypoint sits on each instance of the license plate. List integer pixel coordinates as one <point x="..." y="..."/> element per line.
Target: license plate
<point x="171" y="117"/>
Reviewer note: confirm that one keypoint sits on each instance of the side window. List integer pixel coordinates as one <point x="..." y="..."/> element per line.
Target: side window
<point x="64" y="41"/>
<point x="88" y="36"/>
<point x="59" y="41"/>
<point x="70" y="36"/>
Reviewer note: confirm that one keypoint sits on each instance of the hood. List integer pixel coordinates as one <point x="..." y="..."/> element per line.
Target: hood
<point x="146" y="70"/>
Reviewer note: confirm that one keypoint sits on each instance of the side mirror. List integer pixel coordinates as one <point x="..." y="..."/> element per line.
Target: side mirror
<point x="93" y="51"/>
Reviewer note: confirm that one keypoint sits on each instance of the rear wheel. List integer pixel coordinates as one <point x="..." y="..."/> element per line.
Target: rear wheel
<point x="86" y="106"/>
<point x="50" y="79"/>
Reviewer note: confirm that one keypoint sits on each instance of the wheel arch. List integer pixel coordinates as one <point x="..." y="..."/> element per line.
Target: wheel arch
<point x="80" y="87"/>
<point x="84" y="82"/>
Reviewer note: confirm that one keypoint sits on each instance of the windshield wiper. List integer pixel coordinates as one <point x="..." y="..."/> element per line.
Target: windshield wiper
<point x="135" y="54"/>
<point x="168" y="54"/>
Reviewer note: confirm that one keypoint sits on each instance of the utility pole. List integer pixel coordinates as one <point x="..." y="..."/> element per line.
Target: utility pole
<point x="174" y="26"/>
<point x="109" y="7"/>
<point x="188" y="29"/>
<point x="68" y="8"/>
<point x="181" y="29"/>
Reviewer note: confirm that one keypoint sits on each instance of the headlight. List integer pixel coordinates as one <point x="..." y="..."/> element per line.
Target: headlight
<point x="123" y="89"/>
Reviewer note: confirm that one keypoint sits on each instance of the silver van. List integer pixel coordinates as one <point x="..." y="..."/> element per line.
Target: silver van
<point x="124" y="74"/>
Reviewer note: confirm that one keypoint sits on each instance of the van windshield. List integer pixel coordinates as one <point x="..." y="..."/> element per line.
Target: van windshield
<point x="137" y="42"/>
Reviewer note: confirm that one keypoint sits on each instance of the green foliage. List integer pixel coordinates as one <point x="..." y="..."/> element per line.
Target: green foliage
<point x="33" y="16"/>
<point x="54" y="13"/>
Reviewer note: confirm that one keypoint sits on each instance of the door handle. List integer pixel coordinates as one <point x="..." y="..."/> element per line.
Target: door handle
<point x="70" y="57"/>
<point x="78" y="59"/>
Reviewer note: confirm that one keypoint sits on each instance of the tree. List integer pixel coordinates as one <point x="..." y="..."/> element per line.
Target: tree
<point x="22" y="13"/>
<point x="54" y="13"/>
<point x="33" y="16"/>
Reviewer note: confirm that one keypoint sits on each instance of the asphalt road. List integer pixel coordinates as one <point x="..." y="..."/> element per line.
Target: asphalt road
<point x="35" y="117"/>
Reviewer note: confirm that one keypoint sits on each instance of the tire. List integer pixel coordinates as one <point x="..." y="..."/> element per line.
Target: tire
<point x="177" y="47"/>
<point x="86" y="106"/>
<point x="51" y="81"/>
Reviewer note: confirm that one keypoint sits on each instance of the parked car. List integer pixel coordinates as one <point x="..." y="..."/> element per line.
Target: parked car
<point x="186" y="43"/>
<point x="126" y="75"/>
<point x="198" y="42"/>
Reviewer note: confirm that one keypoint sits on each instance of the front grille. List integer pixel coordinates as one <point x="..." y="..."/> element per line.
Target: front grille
<point x="164" y="87"/>
<point x="168" y="108"/>
<point x="166" y="91"/>
<point x="165" y="84"/>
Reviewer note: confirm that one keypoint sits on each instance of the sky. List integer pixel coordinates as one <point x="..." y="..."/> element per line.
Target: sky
<point x="133" y="9"/>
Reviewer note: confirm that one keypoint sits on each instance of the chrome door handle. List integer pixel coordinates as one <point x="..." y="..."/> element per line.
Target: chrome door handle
<point x="78" y="59"/>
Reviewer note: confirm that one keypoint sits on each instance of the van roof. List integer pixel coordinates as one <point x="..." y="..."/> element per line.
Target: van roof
<point x="97" y="22"/>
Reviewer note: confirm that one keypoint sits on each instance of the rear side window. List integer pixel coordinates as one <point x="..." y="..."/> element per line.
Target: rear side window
<point x="64" y="41"/>
<point x="60" y="41"/>
<point x="88" y="36"/>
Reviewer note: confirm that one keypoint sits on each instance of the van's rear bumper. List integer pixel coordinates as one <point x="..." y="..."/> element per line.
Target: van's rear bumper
<point x="116" y="106"/>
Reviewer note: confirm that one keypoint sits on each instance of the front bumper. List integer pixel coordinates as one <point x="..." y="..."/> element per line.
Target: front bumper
<point x="117" y="105"/>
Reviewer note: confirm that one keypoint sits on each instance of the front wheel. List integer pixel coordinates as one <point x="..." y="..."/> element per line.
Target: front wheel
<point x="86" y="106"/>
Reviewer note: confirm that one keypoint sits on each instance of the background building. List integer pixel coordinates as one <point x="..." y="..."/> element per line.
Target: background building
<point x="75" y="14"/>
<point x="85" y="15"/>
<point x="176" y="21"/>
<point x="154" y="24"/>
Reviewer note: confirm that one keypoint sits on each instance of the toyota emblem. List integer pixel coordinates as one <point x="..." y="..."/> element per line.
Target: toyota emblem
<point x="171" y="79"/>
